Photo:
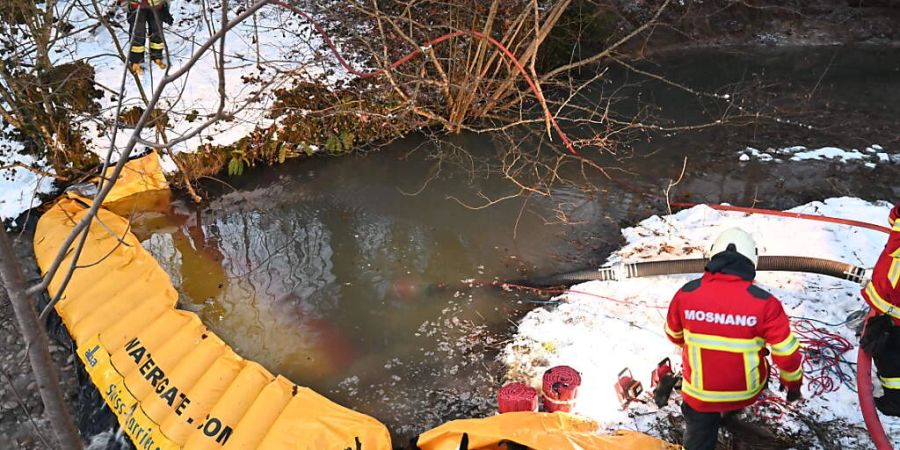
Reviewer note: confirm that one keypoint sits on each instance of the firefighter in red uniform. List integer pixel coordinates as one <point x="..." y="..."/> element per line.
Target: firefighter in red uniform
<point x="723" y="323"/>
<point x="882" y="334"/>
<point x="144" y="15"/>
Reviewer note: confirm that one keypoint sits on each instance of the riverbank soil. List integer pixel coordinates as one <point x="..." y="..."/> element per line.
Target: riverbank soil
<point x="22" y="424"/>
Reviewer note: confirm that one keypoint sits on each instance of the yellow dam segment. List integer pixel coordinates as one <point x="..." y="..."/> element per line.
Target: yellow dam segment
<point x="173" y="384"/>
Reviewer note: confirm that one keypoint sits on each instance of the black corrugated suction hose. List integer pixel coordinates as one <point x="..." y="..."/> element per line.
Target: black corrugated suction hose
<point x="820" y="266"/>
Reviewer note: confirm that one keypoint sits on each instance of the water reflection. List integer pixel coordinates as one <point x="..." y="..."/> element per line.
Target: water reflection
<point x="357" y="296"/>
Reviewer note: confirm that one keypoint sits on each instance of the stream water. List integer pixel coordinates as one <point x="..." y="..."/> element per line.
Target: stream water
<point x="347" y="274"/>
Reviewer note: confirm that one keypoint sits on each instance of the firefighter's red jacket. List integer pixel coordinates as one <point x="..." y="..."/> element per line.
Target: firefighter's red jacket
<point x="144" y="4"/>
<point x="883" y="292"/>
<point x="723" y="322"/>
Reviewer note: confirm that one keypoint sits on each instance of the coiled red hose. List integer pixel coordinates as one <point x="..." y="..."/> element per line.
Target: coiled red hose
<point x="517" y="397"/>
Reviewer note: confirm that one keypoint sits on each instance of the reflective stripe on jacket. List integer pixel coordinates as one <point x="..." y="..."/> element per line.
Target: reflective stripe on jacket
<point x="883" y="291"/>
<point x="144" y="4"/>
<point x="724" y="323"/>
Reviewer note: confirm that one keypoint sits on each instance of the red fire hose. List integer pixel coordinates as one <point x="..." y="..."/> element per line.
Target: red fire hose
<point x="865" y="389"/>
<point x="795" y="215"/>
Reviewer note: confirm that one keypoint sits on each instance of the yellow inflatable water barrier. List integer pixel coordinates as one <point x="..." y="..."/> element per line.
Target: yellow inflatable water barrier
<point x="173" y="384"/>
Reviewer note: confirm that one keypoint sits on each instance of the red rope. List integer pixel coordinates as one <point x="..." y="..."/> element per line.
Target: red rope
<point x="823" y="363"/>
<point x="430" y="43"/>
<point x="771" y="408"/>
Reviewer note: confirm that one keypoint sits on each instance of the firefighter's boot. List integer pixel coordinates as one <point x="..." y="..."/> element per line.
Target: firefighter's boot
<point x="136" y="69"/>
<point x="160" y="63"/>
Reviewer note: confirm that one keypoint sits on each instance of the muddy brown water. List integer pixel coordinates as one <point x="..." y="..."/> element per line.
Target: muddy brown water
<point x="348" y="274"/>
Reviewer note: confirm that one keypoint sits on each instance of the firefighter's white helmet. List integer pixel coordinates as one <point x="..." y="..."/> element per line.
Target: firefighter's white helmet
<point x="742" y="241"/>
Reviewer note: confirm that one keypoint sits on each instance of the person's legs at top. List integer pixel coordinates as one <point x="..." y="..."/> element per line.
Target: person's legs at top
<point x="157" y="44"/>
<point x="137" y="25"/>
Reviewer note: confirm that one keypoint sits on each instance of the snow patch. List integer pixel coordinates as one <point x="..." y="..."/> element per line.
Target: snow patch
<point x="828" y="153"/>
<point x="19" y="187"/>
<point x="872" y="156"/>
<point x="599" y="335"/>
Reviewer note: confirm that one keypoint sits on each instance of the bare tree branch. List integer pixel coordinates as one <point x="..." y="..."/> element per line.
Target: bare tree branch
<point x="40" y="172"/>
<point x="606" y="52"/>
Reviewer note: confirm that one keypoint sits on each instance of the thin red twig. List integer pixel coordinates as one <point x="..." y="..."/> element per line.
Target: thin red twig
<point x="430" y="43"/>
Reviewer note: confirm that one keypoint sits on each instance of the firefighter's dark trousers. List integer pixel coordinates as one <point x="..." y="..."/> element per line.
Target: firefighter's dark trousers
<point x="702" y="429"/>
<point x="888" y="364"/>
<point x="140" y="21"/>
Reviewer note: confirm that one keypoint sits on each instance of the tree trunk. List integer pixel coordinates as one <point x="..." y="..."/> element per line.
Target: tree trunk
<point x="38" y="347"/>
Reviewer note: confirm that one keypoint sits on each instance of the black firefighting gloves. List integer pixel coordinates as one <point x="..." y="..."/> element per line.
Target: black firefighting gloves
<point x="793" y="394"/>
<point x="165" y="16"/>
<point x="877" y="334"/>
<point x="663" y="390"/>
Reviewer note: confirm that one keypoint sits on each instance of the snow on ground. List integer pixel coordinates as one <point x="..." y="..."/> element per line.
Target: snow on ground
<point x="18" y="186"/>
<point x="871" y="156"/>
<point x="262" y="54"/>
<point x="599" y="337"/>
